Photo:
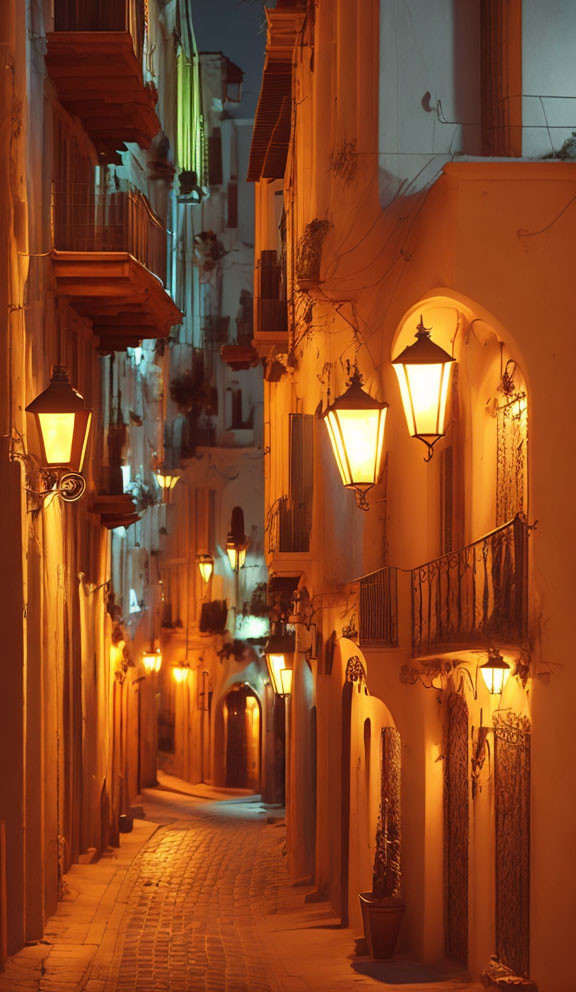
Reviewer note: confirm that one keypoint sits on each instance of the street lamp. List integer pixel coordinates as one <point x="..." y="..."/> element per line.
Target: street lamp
<point x="152" y="660"/>
<point x="495" y="672"/>
<point x="236" y="542"/>
<point x="423" y="371"/>
<point x="355" y="423"/>
<point x="166" y="480"/>
<point x="236" y="552"/>
<point x="63" y="423"/>
<point x="279" y="653"/>
<point x="206" y="567"/>
<point x="181" y="671"/>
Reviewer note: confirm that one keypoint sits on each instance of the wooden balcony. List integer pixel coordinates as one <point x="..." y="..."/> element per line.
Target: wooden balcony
<point x="476" y="597"/>
<point x="95" y="60"/>
<point x="110" y="259"/>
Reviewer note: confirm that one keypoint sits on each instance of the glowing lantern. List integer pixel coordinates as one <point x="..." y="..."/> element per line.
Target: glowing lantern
<point x="166" y="481"/>
<point x="152" y="660"/>
<point x="495" y="672"/>
<point x="279" y="652"/>
<point x="236" y="554"/>
<point x="236" y="542"/>
<point x="355" y="423"/>
<point x="181" y="672"/>
<point x="63" y="423"/>
<point x="423" y="371"/>
<point x="206" y="566"/>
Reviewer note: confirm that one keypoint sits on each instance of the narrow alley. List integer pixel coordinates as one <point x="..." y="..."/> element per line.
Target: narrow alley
<point x="197" y="898"/>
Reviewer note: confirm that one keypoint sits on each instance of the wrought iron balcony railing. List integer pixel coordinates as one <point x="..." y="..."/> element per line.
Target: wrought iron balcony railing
<point x="379" y="608"/>
<point x="288" y="526"/>
<point x="103" y="15"/>
<point x="474" y="596"/>
<point x="89" y="220"/>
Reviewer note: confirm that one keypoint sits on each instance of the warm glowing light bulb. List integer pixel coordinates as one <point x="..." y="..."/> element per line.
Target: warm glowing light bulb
<point x="63" y="423"/>
<point x="206" y="567"/>
<point x="423" y="371"/>
<point x="236" y="555"/>
<point x="280" y="674"/>
<point x="495" y="673"/>
<point x="180" y="672"/>
<point x="152" y="660"/>
<point x="355" y="423"/>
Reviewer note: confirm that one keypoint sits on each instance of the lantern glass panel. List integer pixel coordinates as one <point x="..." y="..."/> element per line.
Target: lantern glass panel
<point x="276" y="665"/>
<point x="206" y="569"/>
<point x="286" y="681"/>
<point x="424" y="390"/>
<point x="57" y="434"/>
<point x="495" y="677"/>
<point x="357" y="438"/>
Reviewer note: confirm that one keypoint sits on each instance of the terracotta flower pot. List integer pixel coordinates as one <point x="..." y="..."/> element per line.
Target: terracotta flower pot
<point x="382" y="919"/>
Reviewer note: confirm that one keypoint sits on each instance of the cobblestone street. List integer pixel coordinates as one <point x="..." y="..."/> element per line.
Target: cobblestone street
<point x="197" y="900"/>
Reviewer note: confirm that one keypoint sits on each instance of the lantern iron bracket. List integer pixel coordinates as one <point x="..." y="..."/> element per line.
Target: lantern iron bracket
<point x="69" y="486"/>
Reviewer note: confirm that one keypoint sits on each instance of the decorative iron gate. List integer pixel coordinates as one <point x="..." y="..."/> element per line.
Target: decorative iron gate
<point x="512" y="455"/>
<point x="512" y="813"/>
<point x="456" y="829"/>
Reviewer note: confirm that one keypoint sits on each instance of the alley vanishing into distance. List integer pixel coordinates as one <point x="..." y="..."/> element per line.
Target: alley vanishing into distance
<point x="198" y="898"/>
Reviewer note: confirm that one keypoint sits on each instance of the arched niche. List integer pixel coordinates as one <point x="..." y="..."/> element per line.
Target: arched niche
<point x="478" y="477"/>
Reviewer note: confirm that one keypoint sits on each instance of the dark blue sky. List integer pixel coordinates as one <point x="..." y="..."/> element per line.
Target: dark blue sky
<point x="237" y="28"/>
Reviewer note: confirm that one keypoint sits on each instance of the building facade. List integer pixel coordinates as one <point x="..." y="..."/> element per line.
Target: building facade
<point x="109" y="157"/>
<point x="412" y="165"/>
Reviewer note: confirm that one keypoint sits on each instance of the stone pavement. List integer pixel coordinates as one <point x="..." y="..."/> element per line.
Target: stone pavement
<point x="197" y="900"/>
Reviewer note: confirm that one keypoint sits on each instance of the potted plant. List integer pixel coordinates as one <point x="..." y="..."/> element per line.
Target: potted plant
<point x="382" y="909"/>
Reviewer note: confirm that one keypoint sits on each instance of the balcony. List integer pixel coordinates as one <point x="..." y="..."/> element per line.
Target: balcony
<point x="474" y="597"/>
<point x="95" y="60"/>
<point x="110" y="260"/>
<point x="271" y="311"/>
<point x="379" y="609"/>
<point x="288" y="527"/>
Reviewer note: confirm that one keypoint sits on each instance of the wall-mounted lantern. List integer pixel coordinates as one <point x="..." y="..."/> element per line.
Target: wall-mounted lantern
<point x="355" y="423"/>
<point x="181" y="671"/>
<point x="236" y="542"/>
<point x="166" y="480"/>
<point x="495" y="672"/>
<point x="63" y="423"/>
<point x="152" y="660"/>
<point x="423" y="371"/>
<point x="206" y="566"/>
<point x="279" y="651"/>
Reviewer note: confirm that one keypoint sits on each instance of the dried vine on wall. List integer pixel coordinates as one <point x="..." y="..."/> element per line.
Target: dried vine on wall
<point x="456" y="828"/>
<point x="512" y="826"/>
<point x="512" y="453"/>
<point x="387" y="873"/>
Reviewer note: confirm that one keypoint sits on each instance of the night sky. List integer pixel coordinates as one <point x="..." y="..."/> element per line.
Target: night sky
<point x="237" y="28"/>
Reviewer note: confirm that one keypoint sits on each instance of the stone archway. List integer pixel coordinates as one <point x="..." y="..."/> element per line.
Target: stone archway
<point x="243" y="738"/>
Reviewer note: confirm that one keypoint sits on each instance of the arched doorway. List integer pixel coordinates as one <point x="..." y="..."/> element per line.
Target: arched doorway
<point x="242" y="726"/>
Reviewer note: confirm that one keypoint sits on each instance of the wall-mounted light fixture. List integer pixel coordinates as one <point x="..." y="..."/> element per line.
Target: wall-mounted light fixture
<point x="181" y="671"/>
<point x="206" y="566"/>
<point x="236" y="542"/>
<point x="166" y="480"/>
<point x="63" y="423"/>
<point x="423" y="371"/>
<point x="152" y="660"/>
<point x="495" y="672"/>
<point x="279" y="651"/>
<point x="355" y="423"/>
